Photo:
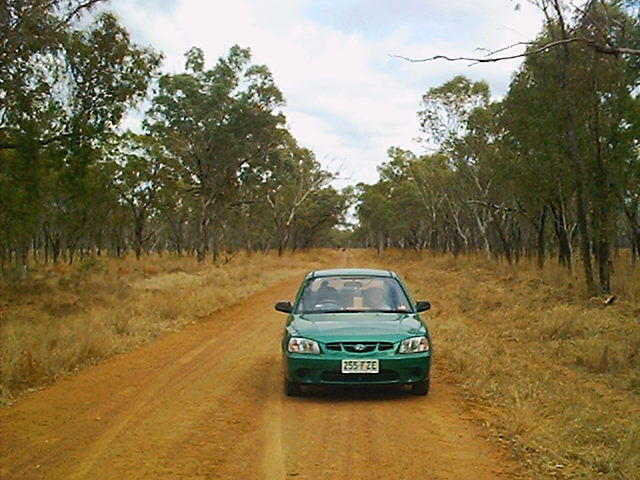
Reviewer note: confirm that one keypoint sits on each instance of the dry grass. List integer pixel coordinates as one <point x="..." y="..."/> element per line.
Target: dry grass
<point x="65" y="317"/>
<point x="555" y="374"/>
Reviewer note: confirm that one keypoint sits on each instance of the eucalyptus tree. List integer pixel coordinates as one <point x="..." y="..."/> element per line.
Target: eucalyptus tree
<point x="577" y="151"/>
<point x="569" y="130"/>
<point x="177" y="212"/>
<point x="290" y="177"/>
<point x="379" y="214"/>
<point x="213" y="122"/>
<point x="460" y="120"/>
<point x="66" y="81"/>
<point x="446" y="108"/>
<point x="139" y="172"/>
<point x="317" y="217"/>
<point x="541" y="177"/>
<point x="216" y="168"/>
<point x="415" y="194"/>
<point x="612" y="129"/>
<point x="604" y="41"/>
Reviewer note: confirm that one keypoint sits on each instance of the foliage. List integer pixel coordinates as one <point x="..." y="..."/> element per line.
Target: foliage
<point x="64" y="91"/>
<point x="552" y="167"/>
<point x="215" y="156"/>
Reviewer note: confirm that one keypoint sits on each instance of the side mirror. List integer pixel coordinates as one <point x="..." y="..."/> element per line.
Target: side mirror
<point x="423" y="306"/>
<point x="285" y="307"/>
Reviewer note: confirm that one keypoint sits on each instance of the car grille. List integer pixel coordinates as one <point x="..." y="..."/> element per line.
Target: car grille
<point x="359" y="347"/>
<point x="384" y="376"/>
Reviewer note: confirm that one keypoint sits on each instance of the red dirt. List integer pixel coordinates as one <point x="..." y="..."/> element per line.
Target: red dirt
<point x="207" y="403"/>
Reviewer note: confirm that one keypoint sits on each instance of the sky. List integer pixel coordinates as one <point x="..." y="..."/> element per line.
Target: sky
<point x="348" y="99"/>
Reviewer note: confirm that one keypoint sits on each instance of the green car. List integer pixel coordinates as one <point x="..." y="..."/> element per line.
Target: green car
<point x="355" y="327"/>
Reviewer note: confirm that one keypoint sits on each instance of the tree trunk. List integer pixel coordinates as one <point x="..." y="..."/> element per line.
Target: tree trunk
<point x="562" y="236"/>
<point x="284" y="239"/>
<point x="380" y="243"/>
<point x="603" y="254"/>
<point x="282" y="243"/>
<point x="506" y="246"/>
<point x="138" y="230"/>
<point x="603" y="217"/>
<point x="574" y="156"/>
<point x="540" y="243"/>
<point x="203" y="232"/>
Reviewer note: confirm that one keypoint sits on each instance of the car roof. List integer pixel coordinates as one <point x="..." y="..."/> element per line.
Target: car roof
<point x="360" y="272"/>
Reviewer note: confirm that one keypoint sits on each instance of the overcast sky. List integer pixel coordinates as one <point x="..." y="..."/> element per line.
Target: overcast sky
<point x="347" y="99"/>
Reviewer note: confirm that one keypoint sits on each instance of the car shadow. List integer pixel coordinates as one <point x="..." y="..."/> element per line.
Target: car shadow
<point x="356" y="393"/>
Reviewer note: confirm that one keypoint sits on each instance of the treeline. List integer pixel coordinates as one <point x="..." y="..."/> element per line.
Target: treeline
<point x="551" y="170"/>
<point x="215" y="170"/>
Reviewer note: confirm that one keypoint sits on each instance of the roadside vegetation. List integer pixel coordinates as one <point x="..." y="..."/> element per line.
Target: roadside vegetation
<point x="66" y="317"/>
<point x="552" y="373"/>
<point x="214" y="169"/>
<point x="518" y="219"/>
<point x="551" y="170"/>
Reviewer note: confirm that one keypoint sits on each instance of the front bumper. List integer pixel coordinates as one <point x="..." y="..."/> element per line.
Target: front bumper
<point x="325" y="369"/>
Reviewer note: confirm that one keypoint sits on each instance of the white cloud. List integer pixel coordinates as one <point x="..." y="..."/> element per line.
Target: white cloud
<point x="346" y="98"/>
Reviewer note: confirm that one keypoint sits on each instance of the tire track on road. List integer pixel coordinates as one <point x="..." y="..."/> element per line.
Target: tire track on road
<point x="207" y="403"/>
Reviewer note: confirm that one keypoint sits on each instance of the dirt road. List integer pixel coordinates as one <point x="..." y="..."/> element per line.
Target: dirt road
<point x="207" y="403"/>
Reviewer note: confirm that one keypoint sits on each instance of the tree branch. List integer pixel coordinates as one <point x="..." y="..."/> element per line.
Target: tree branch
<point x="42" y="143"/>
<point x="609" y="50"/>
<point x="82" y="6"/>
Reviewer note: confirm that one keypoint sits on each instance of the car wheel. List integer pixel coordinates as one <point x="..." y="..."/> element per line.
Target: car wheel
<point x="420" y="388"/>
<point x="292" y="389"/>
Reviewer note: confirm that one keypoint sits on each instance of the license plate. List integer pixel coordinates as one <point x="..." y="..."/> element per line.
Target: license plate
<point x="360" y="366"/>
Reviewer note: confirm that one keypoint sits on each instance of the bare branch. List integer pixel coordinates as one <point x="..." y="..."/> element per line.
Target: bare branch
<point x="508" y="47"/>
<point x="79" y="8"/>
<point x="489" y="59"/>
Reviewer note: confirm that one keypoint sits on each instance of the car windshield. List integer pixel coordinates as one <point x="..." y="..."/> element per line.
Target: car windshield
<point x="353" y="294"/>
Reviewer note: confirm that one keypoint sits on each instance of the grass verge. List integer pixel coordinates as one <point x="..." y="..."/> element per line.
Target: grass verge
<point x="65" y="317"/>
<point x="555" y="375"/>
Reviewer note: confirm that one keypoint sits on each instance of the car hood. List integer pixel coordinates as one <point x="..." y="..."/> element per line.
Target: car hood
<point x="345" y="327"/>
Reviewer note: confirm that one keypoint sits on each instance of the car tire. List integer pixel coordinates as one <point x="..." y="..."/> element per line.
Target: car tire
<point x="292" y="389"/>
<point x="420" y="388"/>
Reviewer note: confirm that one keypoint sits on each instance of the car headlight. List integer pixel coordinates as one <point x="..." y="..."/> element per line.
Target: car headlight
<point x="303" y="345"/>
<point x="414" y="345"/>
